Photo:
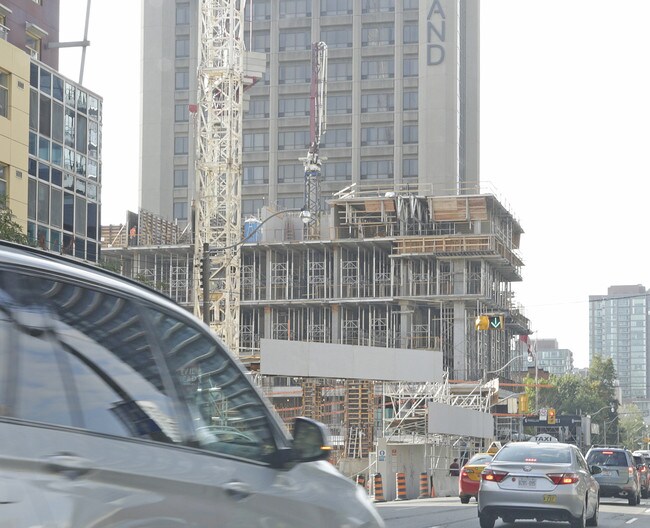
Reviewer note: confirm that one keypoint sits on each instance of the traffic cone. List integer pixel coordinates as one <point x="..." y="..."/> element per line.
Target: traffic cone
<point x="377" y="488"/>
<point x="400" y="480"/>
<point x="424" y="486"/>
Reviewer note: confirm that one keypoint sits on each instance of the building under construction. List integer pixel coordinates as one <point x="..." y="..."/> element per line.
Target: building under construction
<point x="391" y="269"/>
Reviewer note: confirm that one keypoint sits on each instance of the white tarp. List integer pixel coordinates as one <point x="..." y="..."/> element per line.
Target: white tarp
<point x="454" y="420"/>
<point x="327" y="360"/>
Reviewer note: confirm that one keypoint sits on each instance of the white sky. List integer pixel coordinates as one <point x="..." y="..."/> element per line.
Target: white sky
<point x="565" y="113"/>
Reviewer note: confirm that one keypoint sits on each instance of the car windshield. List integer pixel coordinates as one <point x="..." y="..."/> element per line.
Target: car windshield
<point x="534" y="453"/>
<point x="607" y="458"/>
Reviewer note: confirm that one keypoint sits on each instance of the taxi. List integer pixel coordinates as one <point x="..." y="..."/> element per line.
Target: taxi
<point x="470" y="474"/>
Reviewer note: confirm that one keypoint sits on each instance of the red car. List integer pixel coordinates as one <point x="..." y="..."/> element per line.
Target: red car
<point x="470" y="476"/>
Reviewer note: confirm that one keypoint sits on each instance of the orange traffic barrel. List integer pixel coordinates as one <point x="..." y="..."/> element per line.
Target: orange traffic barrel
<point x="400" y="482"/>
<point x="377" y="488"/>
<point x="424" y="486"/>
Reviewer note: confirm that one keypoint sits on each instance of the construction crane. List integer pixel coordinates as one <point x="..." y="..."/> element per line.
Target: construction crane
<point x="217" y="228"/>
<point x="317" y="115"/>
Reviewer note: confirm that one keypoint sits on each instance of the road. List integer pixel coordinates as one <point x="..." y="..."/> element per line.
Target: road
<point x="449" y="512"/>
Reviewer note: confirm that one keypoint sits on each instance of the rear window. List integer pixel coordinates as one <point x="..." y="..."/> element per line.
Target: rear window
<point x="607" y="458"/>
<point x="479" y="459"/>
<point x="639" y="460"/>
<point x="532" y="454"/>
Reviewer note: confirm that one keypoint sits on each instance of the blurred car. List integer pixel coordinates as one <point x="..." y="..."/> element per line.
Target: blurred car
<point x="120" y="408"/>
<point x="470" y="473"/>
<point x="619" y="476"/>
<point x="641" y="462"/>
<point x="545" y="481"/>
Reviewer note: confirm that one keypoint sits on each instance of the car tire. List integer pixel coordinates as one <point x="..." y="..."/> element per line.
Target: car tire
<point x="632" y="500"/>
<point x="644" y="493"/>
<point x="486" y="521"/>
<point x="578" y="522"/>
<point x="464" y="499"/>
<point x="593" y="520"/>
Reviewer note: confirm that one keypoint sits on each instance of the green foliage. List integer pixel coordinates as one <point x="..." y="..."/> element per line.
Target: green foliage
<point x="10" y="229"/>
<point x="632" y="429"/>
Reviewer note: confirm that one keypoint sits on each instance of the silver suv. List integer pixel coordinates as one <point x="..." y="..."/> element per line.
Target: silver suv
<point x="119" y="408"/>
<point x="619" y="476"/>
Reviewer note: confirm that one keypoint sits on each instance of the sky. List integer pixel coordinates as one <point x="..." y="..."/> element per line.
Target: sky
<point x="565" y="136"/>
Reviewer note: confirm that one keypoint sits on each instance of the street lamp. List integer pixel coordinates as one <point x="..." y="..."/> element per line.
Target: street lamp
<point x="611" y="409"/>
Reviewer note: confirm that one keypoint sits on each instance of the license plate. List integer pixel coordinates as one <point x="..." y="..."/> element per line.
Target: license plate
<point x="527" y="483"/>
<point x="550" y="498"/>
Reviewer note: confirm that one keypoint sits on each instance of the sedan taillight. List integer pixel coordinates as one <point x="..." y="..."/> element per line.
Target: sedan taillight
<point x="563" y="478"/>
<point x="630" y="471"/>
<point x="493" y="475"/>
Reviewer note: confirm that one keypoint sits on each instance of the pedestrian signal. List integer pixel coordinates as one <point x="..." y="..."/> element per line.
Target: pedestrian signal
<point x="550" y="418"/>
<point x="482" y="322"/>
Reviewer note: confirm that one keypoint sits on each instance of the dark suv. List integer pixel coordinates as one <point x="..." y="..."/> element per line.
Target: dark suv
<point x="619" y="476"/>
<point x="642" y="466"/>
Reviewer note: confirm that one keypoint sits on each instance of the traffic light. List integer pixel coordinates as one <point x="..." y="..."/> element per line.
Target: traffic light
<point x="522" y="403"/>
<point x="489" y="322"/>
<point x="482" y="322"/>
<point x="550" y="418"/>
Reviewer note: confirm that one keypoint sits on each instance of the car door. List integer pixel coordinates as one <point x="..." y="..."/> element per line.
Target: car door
<point x="102" y="433"/>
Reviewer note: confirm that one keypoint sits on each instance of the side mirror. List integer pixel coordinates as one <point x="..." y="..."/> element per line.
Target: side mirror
<point x="310" y="440"/>
<point x="595" y="470"/>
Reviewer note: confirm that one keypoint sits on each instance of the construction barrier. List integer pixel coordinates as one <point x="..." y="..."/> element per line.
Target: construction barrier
<point x="424" y="486"/>
<point x="433" y="489"/>
<point x="400" y="481"/>
<point x="377" y="488"/>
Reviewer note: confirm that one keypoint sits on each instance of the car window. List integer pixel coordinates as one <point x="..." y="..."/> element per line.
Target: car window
<point x="638" y="460"/>
<point x="228" y="414"/>
<point x="581" y="460"/>
<point x="607" y="458"/>
<point x="533" y="454"/>
<point x="479" y="459"/>
<point x="80" y="357"/>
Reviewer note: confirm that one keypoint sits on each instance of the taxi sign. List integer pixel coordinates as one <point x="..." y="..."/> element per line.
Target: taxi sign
<point x="494" y="447"/>
<point x="543" y="438"/>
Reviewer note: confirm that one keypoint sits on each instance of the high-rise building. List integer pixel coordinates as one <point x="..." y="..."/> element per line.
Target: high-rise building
<point x="552" y="358"/>
<point x="50" y="135"/>
<point x="402" y="104"/>
<point x="618" y="329"/>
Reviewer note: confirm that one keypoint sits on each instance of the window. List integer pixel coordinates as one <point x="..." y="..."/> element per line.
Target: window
<point x="376" y="6"/>
<point x="410" y="67"/>
<point x="377" y="102"/>
<point x="409" y="168"/>
<point x="4" y="94"/>
<point x="181" y="145"/>
<point x="337" y="137"/>
<point x="295" y="40"/>
<point x="410" y="100"/>
<point x="410" y="33"/>
<point x="339" y="104"/>
<point x="256" y="141"/>
<point x="182" y="80"/>
<point x="180" y="210"/>
<point x="291" y="173"/>
<point x="261" y="10"/>
<point x="295" y="8"/>
<point x="181" y="113"/>
<point x="378" y="35"/>
<point x="258" y="107"/>
<point x="291" y="202"/>
<point x="293" y="106"/>
<point x="252" y="206"/>
<point x="410" y="5"/>
<point x="410" y="134"/>
<point x="295" y="72"/>
<point x="294" y="139"/>
<point x="4" y="172"/>
<point x="180" y="177"/>
<point x="335" y="7"/>
<point x="4" y="30"/>
<point x="33" y="45"/>
<point x="261" y="42"/>
<point x="256" y="174"/>
<point x="182" y="47"/>
<point x="337" y="37"/>
<point x="377" y="169"/>
<point x="182" y="14"/>
<point x="339" y="70"/>
<point x="337" y="170"/>
<point x="381" y="68"/>
<point x="381" y="135"/>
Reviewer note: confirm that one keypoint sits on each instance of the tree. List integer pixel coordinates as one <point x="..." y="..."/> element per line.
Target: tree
<point x="10" y="230"/>
<point x="631" y="427"/>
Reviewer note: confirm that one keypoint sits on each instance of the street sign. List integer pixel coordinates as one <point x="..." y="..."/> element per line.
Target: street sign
<point x="543" y="415"/>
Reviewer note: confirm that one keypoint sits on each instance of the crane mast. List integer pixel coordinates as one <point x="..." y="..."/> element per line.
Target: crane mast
<point x="317" y="115"/>
<point x="218" y="167"/>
